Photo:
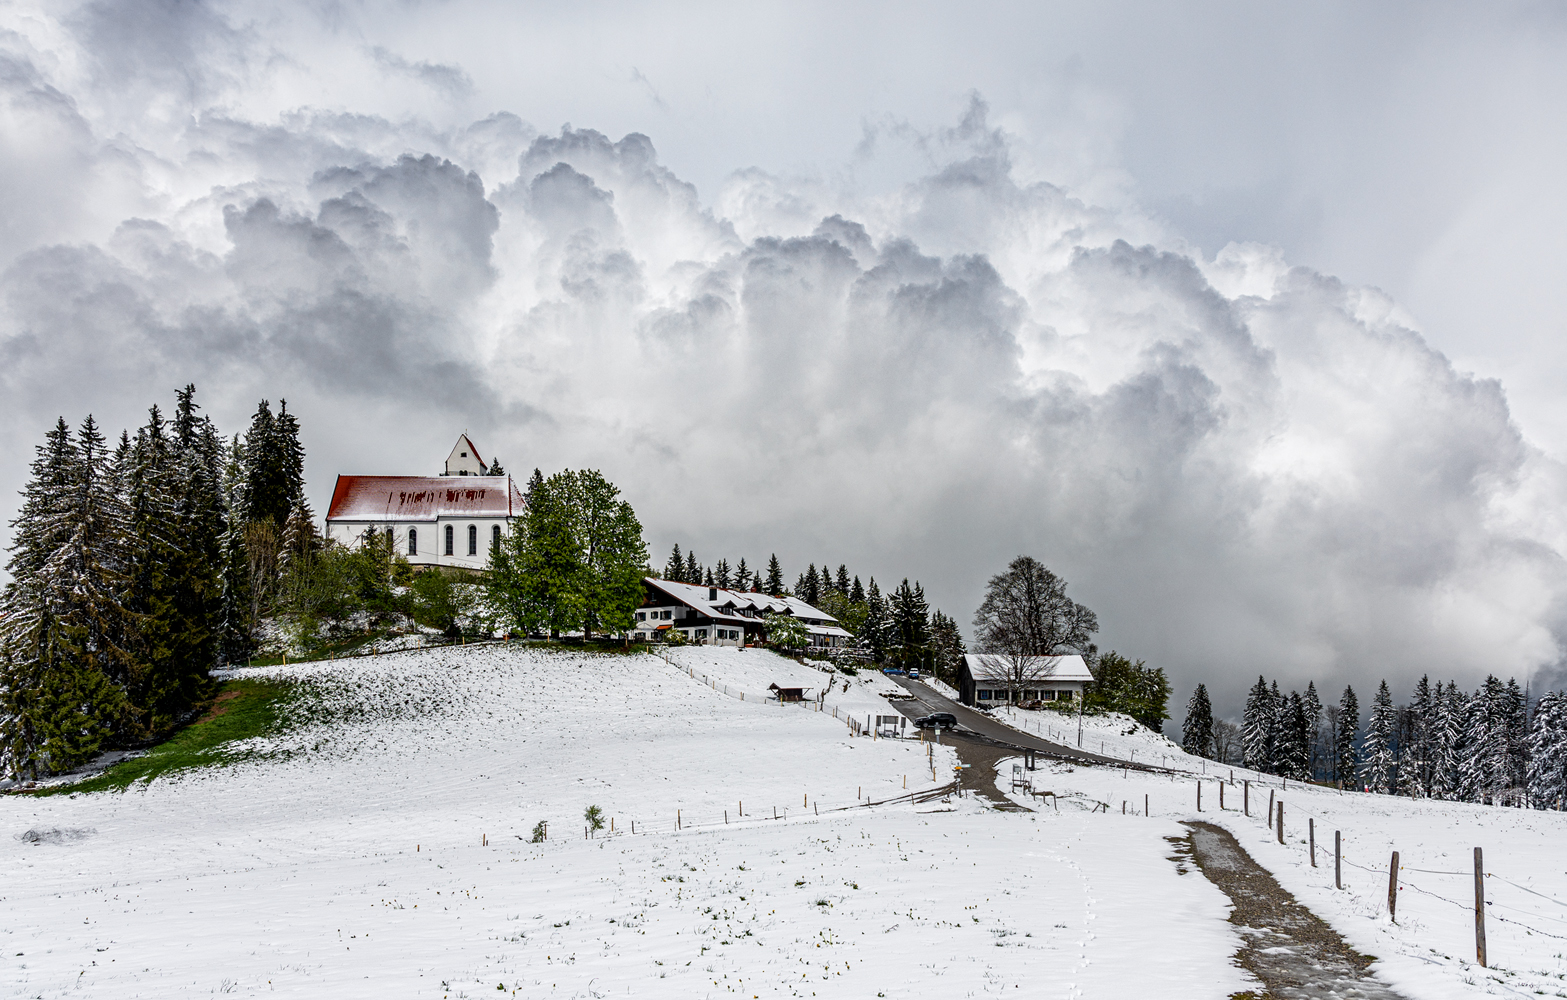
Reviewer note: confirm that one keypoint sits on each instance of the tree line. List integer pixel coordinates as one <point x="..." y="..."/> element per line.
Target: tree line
<point x="896" y="629"/>
<point x="133" y="570"/>
<point x="1444" y="743"/>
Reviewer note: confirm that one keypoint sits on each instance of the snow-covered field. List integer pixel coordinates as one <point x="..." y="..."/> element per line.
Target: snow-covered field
<point x="1113" y="734"/>
<point x="381" y="850"/>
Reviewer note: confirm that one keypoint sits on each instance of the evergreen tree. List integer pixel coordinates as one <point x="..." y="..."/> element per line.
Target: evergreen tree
<point x="946" y="646"/>
<point x="1313" y="710"/>
<point x="1256" y="724"/>
<point x="1346" y="761"/>
<point x="1376" y="766"/>
<point x="1447" y="741"/>
<point x="1197" y="730"/>
<point x="856" y="592"/>
<point x="1417" y="762"/>
<point x="291" y="458"/>
<point x="807" y="589"/>
<point x="1296" y="740"/>
<point x="910" y="616"/>
<point x="841" y="585"/>
<point x="708" y="579"/>
<point x="63" y="622"/>
<point x="1485" y="768"/>
<point x="1278" y="731"/>
<point x="496" y="469"/>
<point x="1516" y="725"/>
<point x="1547" y="773"/>
<point x="674" y="569"/>
<point x="775" y="581"/>
<point x="721" y="575"/>
<point x="875" y="634"/>
<point x="693" y="573"/>
<point x="742" y="576"/>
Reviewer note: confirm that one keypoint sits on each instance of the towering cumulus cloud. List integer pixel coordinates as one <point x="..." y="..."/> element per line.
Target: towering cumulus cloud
<point x="1242" y="466"/>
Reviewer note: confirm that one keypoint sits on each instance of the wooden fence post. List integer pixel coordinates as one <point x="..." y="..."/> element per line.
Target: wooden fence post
<point x="1145" y="806"/>
<point x="1246" y="797"/>
<point x="1311" y="835"/>
<point x="1270" y="807"/>
<point x="1392" y="888"/>
<point x="1338" y="860"/>
<point x="1199" y="795"/>
<point x="1479" y="909"/>
<point x="1221" y="796"/>
<point x="677" y="819"/>
<point x="1281" y="821"/>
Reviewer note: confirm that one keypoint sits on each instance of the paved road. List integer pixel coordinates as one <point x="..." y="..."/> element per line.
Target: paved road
<point x="928" y="700"/>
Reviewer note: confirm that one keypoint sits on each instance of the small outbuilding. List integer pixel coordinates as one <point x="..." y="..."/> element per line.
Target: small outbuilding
<point x="787" y="694"/>
<point x="986" y="679"/>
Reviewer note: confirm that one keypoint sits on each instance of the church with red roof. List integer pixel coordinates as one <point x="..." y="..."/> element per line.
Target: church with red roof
<point x="446" y="520"/>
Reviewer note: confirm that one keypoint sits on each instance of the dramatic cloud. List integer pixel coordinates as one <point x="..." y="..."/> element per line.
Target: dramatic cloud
<point x="1243" y="466"/>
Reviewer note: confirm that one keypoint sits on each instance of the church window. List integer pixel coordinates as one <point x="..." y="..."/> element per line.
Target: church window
<point x="473" y="539"/>
<point x="413" y="541"/>
<point x="495" y="534"/>
<point x="448" y="539"/>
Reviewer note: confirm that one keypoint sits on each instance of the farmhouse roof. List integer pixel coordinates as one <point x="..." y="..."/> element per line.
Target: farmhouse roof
<point x="997" y="667"/>
<point x="422" y="498"/>
<point x="711" y="601"/>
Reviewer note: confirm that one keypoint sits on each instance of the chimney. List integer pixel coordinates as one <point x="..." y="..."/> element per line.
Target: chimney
<point x="712" y="593"/>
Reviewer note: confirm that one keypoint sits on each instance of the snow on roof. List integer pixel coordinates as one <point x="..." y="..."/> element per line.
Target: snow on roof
<point x="697" y="597"/>
<point x="997" y="666"/>
<point x="422" y="498"/>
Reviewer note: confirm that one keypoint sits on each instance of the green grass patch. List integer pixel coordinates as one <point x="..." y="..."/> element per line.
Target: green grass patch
<point x="242" y="708"/>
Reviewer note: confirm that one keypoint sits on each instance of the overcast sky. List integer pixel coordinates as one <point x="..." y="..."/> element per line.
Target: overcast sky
<point x="1243" y="317"/>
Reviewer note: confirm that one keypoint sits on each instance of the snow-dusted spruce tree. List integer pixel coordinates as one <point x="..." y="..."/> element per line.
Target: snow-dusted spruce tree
<point x="1255" y="725"/>
<point x="875" y="634"/>
<point x="1415" y="764"/>
<point x="774" y="584"/>
<point x="1313" y="709"/>
<point x="1483" y="769"/>
<point x="63" y="623"/>
<point x="947" y="645"/>
<point x="1278" y="731"/>
<point x="1197" y="730"/>
<point x="1296" y="740"/>
<point x="1548" y="752"/>
<point x="1516" y="711"/>
<point x="1447" y="740"/>
<point x="1376" y="762"/>
<point x="1346" y="760"/>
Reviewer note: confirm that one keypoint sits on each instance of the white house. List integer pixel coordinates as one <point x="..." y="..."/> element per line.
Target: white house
<point x="717" y="617"/>
<point x="433" y="520"/>
<point x="994" y="679"/>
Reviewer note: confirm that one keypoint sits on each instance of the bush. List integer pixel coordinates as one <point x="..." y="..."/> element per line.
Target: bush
<point x="595" y="817"/>
<point x="541" y="831"/>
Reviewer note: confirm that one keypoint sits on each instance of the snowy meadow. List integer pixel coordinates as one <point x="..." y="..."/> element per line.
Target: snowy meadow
<point x="379" y="845"/>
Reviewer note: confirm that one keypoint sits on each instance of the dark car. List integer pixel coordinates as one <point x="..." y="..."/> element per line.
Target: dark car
<point x="937" y="720"/>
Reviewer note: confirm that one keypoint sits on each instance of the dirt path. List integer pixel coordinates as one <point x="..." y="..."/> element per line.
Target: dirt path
<point x="1288" y="947"/>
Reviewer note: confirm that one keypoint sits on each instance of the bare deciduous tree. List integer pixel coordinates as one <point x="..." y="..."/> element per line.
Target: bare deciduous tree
<point x="1026" y="613"/>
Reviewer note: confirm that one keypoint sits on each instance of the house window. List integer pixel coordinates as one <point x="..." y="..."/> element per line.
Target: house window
<point x="413" y="541"/>
<point x="495" y="534"/>
<point x="984" y="696"/>
<point x="1064" y="695"/>
<point x="448" y="539"/>
<point x="1049" y="695"/>
<point x="473" y="539"/>
<point x="641" y="616"/>
<point x="701" y="633"/>
<point x="666" y="615"/>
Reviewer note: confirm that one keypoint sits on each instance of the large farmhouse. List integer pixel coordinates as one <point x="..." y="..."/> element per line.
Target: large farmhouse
<point x="718" y="617"/>
<point x="433" y="520"/>
<point x="994" y="679"/>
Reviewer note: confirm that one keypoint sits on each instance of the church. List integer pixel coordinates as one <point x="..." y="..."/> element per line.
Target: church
<point x="445" y="520"/>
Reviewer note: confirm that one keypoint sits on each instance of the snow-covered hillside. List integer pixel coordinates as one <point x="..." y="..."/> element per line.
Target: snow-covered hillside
<point x="381" y="849"/>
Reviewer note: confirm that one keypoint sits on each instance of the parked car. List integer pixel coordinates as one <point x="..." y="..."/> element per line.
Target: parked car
<point x="937" y="720"/>
<point x="914" y="675"/>
<point x="892" y="671"/>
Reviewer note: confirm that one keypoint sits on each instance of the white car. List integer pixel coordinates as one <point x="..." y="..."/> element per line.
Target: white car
<point x="914" y="675"/>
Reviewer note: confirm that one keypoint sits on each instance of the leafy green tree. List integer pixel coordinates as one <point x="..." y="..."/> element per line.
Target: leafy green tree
<point x="1135" y="689"/>
<point x="435" y="601"/>
<point x="614" y="556"/>
<point x="785" y="631"/>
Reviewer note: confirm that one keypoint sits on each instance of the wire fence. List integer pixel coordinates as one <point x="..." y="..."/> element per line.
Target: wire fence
<point x="1491" y="905"/>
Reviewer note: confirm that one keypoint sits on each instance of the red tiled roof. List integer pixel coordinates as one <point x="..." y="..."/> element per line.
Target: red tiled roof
<point x="422" y="498"/>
